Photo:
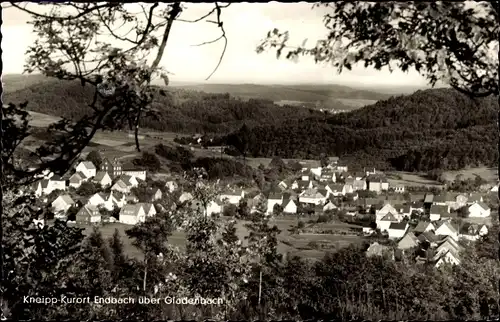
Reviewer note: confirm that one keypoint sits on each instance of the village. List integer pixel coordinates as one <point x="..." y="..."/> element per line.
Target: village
<point x="437" y="224"/>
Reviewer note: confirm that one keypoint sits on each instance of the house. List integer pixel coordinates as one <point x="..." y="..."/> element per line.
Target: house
<point x="376" y="249"/>
<point x="385" y="222"/>
<point x="377" y="183"/>
<point x="121" y="186"/>
<point x="289" y="206"/>
<point x="88" y="214"/>
<point x="56" y="183"/>
<point x="131" y="198"/>
<point x="185" y="196"/>
<point x="131" y="170"/>
<point x="336" y="189"/>
<point x="448" y="251"/>
<point x="417" y="206"/>
<point x="359" y="184"/>
<point x="417" y="198"/>
<point x="272" y="200"/>
<point x="341" y="167"/>
<point x="62" y="204"/>
<point x="157" y="195"/>
<point x="474" y="197"/>
<point x="115" y="200"/>
<point x="397" y="229"/>
<point x="171" y="186"/>
<point x="87" y="168"/>
<point x="42" y="188"/>
<point x="437" y="212"/>
<point x="113" y="168"/>
<point x="103" y="178"/>
<point x="132" y="214"/>
<point x="423" y="226"/>
<point x="77" y="179"/>
<point x="233" y="197"/>
<point x="130" y="182"/>
<point x="386" y="209"/>
<point x="98" y="199"/>
<point x="312" y="196"/>
<point x="149" y="209"/>
<point x="429" y="198"/>
<point x="283" y="185"/>
<point x="408" y="241"/>
<point x="428" y="237"/>
<point x="399" y="189"/>
<point x="494" y="189"/>
<point x="329" y="206"/>
<point x="406" y="211"/>
<point x="447" y="229"/>
<point x="472" y="232"/>
<point x="479" y="210"/>
<point x="302" y="184"/>
<point x="328" y="175"/>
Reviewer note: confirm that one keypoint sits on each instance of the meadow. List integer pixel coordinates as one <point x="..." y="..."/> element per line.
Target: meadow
<point x="296" y="244"/>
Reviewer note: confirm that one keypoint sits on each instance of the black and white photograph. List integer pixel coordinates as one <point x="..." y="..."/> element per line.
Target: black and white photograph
<point x="250" y="161"/>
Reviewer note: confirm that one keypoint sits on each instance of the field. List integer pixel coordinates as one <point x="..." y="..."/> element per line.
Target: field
<point x="291" y="244"/>
<point x="42" y="120"/>
<point x="410" y="179"/>
<point x="489" y="174"/>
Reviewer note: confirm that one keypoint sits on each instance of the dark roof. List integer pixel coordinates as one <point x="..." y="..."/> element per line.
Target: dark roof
<point x="428" y="236"/>
<point x="438" y="209"/>
<point x="398" y="225"/>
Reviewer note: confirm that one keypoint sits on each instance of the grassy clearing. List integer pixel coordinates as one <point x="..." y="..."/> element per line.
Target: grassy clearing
<point x="410" y="179"/>
<point x="42" y="120"/>
<point x="489" y="174"/>
<point x="293" y="244"/>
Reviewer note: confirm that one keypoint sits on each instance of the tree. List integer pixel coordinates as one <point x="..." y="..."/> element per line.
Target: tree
<point x="446" y="42"/>
<point x="149" y="161"/>
<point x="463" y="212"/>
<point x="87" y="188"/>
<point x="95" y="157"/>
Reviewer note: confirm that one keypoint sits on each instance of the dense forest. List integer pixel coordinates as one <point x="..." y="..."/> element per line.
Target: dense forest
<point x="431" y="129"/>
<point x="180" y="110"/>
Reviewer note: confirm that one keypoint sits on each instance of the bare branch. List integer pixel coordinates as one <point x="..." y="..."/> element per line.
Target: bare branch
<point x="217" y="7"/>
<point x="81" y="14"/>
<point x="223" y="36"/>
<point x="209" y="42"/>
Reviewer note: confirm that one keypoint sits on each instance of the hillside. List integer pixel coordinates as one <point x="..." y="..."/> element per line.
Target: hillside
<point x="311" y="96"/>
<point x="430" y="129"/>
<point x="182" y="111"/>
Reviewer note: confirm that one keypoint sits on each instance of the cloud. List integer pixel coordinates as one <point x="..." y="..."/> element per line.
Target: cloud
<point x="246" y="24"/>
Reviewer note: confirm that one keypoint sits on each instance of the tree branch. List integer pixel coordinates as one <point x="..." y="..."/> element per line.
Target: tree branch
<point x="81" y="14"/>
<point x="223" y="36"/>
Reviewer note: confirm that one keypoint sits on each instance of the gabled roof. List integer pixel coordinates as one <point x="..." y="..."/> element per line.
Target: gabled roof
<point x="89" y="165"/>
<point x="336" y="187"/>
<point x="474" y="196"/>
<point x="439" y="209"/>
<point x="399" y="225"/>
<point x="44" y="183"/>
<point x="447" y="225"/>
<point x="429" y="198"/>
<point x="130" y="210"/>
<point x="120" y="184"/>
<point x="422" y="226"/>
<point x="428" y="236"/>
<point x="376" y="249"/>
<point x="146" y="206"/>
<point x="409" y="236"/>
<point x="56" y="177"/>
<point x="275" y="196"/>
<point x="100" y="176"/>
<point x="66" y="198"/>
<point x="417" y="197"/>
<point x="88" y="210"/>
<point x="389" y="217"/>
<point x="482" y="205"/>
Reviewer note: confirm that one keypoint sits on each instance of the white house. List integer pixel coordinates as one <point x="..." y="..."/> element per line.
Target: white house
<point x="439" y="211"/>
<point x="387" y="209"/>
<point x="149" y="209"/>
<point x="479" y="210"/>
<point x="132" y="214"/>
<point x="62" y="204"/>
<point x="272" y="200"/>
<point x="233" y="197"/>
<point x="473" y="232"/>
<point x="337" y="189"/>
<point x="88" y="214"/>
<point x="157" y="195"/>
<point x="121" y="186"/>
<point x="103" y="178"/>
<point x="136" y="173"/>
<point x="289" y="206"/>
<point x="87" y="168"/>
<point x="385" y="222"/>
<point x="399" y="189"/>
<point x="100" y="199"/>
<point x="397" y="230"/>
<point x="446" y="229"/>
<point x="329" y="206"/>
<point x="77" y="179"/>
<point x="448" y="257"/>
<point x="312" y="196"/>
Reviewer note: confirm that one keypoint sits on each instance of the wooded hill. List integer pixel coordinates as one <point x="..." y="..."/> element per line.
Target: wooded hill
<point x="430" y="129"/>
<point x="182" y="110"/>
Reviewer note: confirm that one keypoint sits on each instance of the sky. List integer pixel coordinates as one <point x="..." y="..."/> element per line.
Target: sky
<point x="246" y="25"/>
